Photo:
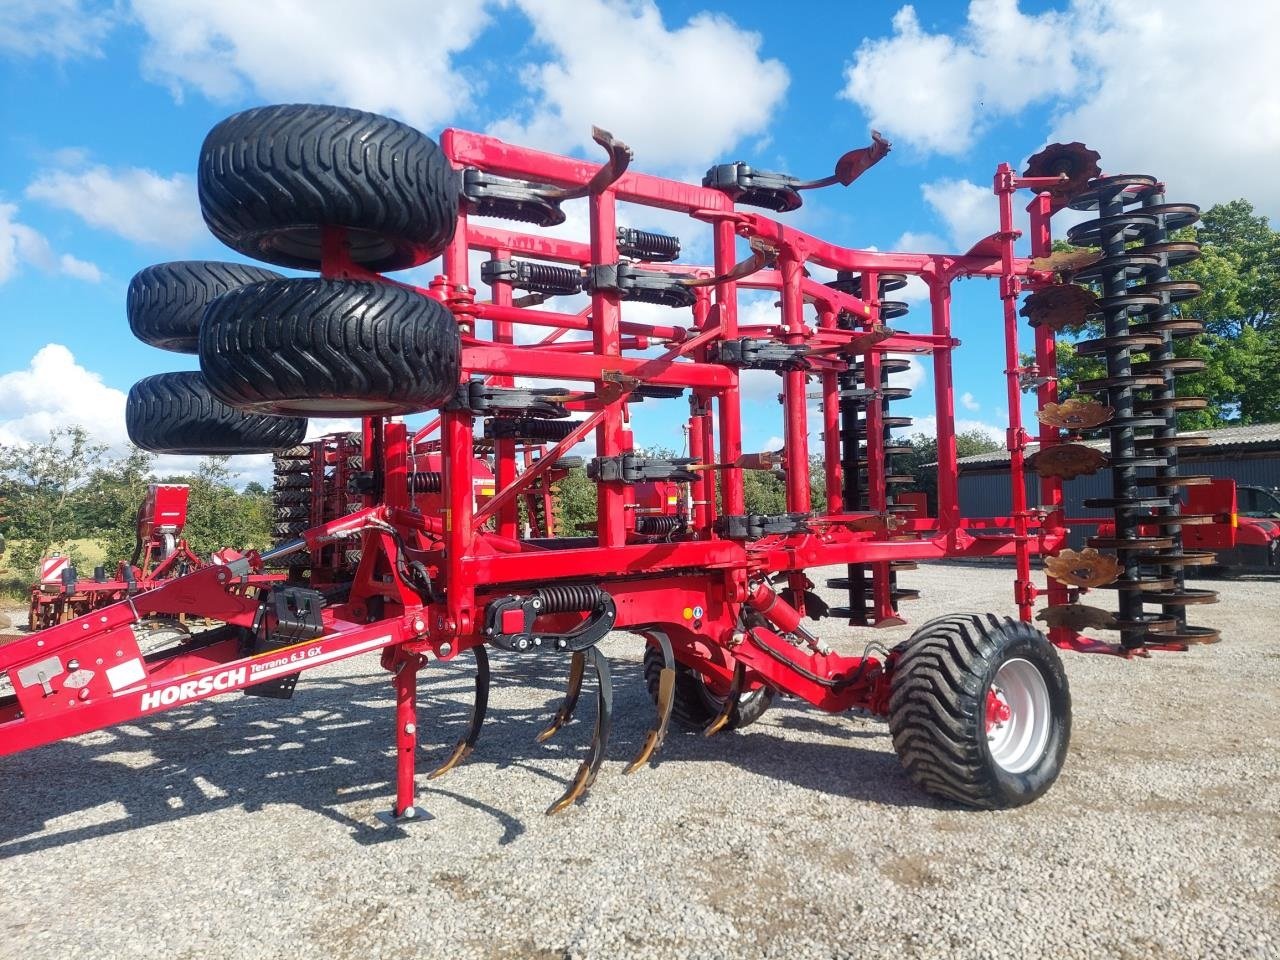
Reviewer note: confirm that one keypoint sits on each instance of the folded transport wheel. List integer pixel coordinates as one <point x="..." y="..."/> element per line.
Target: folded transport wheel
<point x="980" y="710"/>
<point x="696" y="704"/>
<point x="167" y="300"/>
<point x="334" y="348"/>
<point x="177" y="413"/>
<point x="272" y="178"/>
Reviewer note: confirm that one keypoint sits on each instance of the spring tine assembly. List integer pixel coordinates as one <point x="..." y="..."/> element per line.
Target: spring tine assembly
<point x="478" y="710"/>
<point x="666" y="700"/>
<point x="1138" y="301"/>
<point x="721" y="719"/>
<point x="586" y="774"/>
<point x="577" y="668"/>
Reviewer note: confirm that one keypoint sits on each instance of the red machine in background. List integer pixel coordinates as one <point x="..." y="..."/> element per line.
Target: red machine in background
<point x="414" y="542"/>
<point x="160" y="553"/>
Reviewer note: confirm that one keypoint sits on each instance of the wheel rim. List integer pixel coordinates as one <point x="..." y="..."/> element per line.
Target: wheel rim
<point x="1018" y="716"/>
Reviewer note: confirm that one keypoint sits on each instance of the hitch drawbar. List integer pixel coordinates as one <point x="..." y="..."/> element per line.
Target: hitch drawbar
<point x="509" y="621"/>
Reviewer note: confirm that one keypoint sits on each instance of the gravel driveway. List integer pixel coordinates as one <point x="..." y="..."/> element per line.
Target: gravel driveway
<point x="242" y="827"/>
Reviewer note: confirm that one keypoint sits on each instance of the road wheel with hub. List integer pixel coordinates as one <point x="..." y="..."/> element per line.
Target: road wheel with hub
<point x="273" y="178"/>
<point x="332" y="348"/>
<point x="167" y="300"/>
<point x="696" y="704"/>
<point x="980" y="710"/>
<point x="176" y="413"/>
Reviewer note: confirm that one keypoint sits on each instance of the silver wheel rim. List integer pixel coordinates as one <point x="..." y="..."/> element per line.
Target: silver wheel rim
<point x="1018" y="743"/>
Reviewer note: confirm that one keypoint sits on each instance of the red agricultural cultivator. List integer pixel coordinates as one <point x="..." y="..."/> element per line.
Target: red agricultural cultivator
<point x="442" y="542"/>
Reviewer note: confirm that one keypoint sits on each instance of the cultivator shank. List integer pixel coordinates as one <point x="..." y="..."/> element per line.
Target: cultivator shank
<point x="431" y="543"/>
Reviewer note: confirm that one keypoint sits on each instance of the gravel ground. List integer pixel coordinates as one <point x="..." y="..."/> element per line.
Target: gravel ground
<point x="242" y="827"/>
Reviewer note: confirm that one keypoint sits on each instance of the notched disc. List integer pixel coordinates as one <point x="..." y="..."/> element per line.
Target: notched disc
<point x="1083" y="568"/>
<point x="1075" y="163"/>
<point x="1067" y="461"/>
<point x="1077" y="413"/>
<point x="1077" y="616"/>
<point x="1063" y="306"/>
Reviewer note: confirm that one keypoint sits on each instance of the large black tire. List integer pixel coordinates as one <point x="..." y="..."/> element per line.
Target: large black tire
<point x="176" y="413"/>
<point x="696" y="706"/>
<point x="167" y="300"/>
<point x="334" y="348"/>
<point x="271" y="178"/>
<point x="938" y="710"/>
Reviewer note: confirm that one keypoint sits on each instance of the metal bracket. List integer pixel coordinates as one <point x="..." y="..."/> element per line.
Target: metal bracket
<point x="646" y="286"/>
<point x="492" y="196"/>
<point x="779" y="191"/>
<point x="759" y="354"/>
<point x="753" y="526"/>
<point x="647" y="246"/>
<point x="475" y="396"/>
<point x="508" y="624"/>
<point x="631" y="468"/>
<point x="542" y="278"/>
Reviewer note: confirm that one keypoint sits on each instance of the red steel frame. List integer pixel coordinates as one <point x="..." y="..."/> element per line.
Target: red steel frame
<point x="695" y="588"/>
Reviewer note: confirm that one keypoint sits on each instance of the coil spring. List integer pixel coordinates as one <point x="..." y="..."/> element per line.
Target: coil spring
<point x="646" y="245"/>
<point x="548" y="278"/>
<point x="658" y="526"/>
<point x="530" y="428"/>
<point x="428" y="482"/>
<point x="1139" y="298"/>
<point x="569" y="597"/>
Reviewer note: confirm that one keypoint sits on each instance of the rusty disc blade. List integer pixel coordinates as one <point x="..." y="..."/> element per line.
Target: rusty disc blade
<point x="1063" y="306"/>
<point x="1077" y="616"/>
<point x="1067" y="461"/>
<point x="1084" y="568"/>
<point x="1074" y="163"/>
<point x="1077" y="413"/>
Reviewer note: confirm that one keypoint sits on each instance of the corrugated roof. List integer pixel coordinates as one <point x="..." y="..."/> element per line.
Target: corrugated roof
<point x="1256" y="437"/>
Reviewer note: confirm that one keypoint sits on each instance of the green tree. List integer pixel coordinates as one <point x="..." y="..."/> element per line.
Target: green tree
<point x="41" y="483"/>
<point x="1239" y="271"/>
<point x="921" y="462"/>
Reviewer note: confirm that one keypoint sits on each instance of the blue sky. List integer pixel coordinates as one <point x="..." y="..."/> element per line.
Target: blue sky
<point x="105" y="106"/>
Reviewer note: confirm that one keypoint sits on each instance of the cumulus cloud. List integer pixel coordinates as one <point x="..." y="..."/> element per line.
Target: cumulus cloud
<point x="675" y="95"/>
<point x="53" y="391"/>
<point x="137" y="204"/>
<point x="969" y="211"/>
<point x="21" y="244"/>
<point x="1131" y="80"/>
<point x="969" y="402"/>
<point x="55" y="28"/>
<point x="938" y="92"/>
<point x="393" y="56"/>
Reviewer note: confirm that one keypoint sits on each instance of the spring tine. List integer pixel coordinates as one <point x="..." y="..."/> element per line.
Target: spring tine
<point x="577" y="666"/>
<point x="730" y="702"/>
<point x="479" y="708"/>
<point x="586" y="774"/>
<point x="666" y="699"/>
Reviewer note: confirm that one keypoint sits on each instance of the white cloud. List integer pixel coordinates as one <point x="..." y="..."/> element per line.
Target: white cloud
<point x="936" y="92"/>
<point x="912" y="377"/>
<point x="80" y="269"/>
<point x="1130" y="80"/>
<point x="57" y="28"/>
<point x="968" y="402"/>
<point x="21" y="244"/>
<point x="970" y="212"/>
<point x="56" y="391"/>
<point x="137" y="204"/>
<point x="393" y="56"/>
<point x="684" y="95"/>
<point x="774" y="443"/>
<point x="1206" y="73"/>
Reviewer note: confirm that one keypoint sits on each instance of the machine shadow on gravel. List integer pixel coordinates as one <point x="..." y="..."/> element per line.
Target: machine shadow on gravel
<point x="250" y="753"/>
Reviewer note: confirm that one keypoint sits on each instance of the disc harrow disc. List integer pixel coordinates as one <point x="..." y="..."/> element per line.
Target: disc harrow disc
<point x="1077" y="616"/>
<point x="1083" y="568"/>
<point x="1068" y="461"/>
<point x="1063" y="306"/>
<point x="1077" y="413"/>
<point x="1073" y="162"/>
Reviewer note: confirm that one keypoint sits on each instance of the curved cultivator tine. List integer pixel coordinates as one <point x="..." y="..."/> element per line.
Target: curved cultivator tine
<point x="730" y="702"/>
<point x="666" y="697"/>
<point x="478" y="711"/>
<point x="586" y="774"/>
<point x="577" y="667"/>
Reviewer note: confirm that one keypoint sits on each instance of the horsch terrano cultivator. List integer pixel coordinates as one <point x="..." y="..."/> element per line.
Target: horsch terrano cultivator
<point x="417" y="542"/>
